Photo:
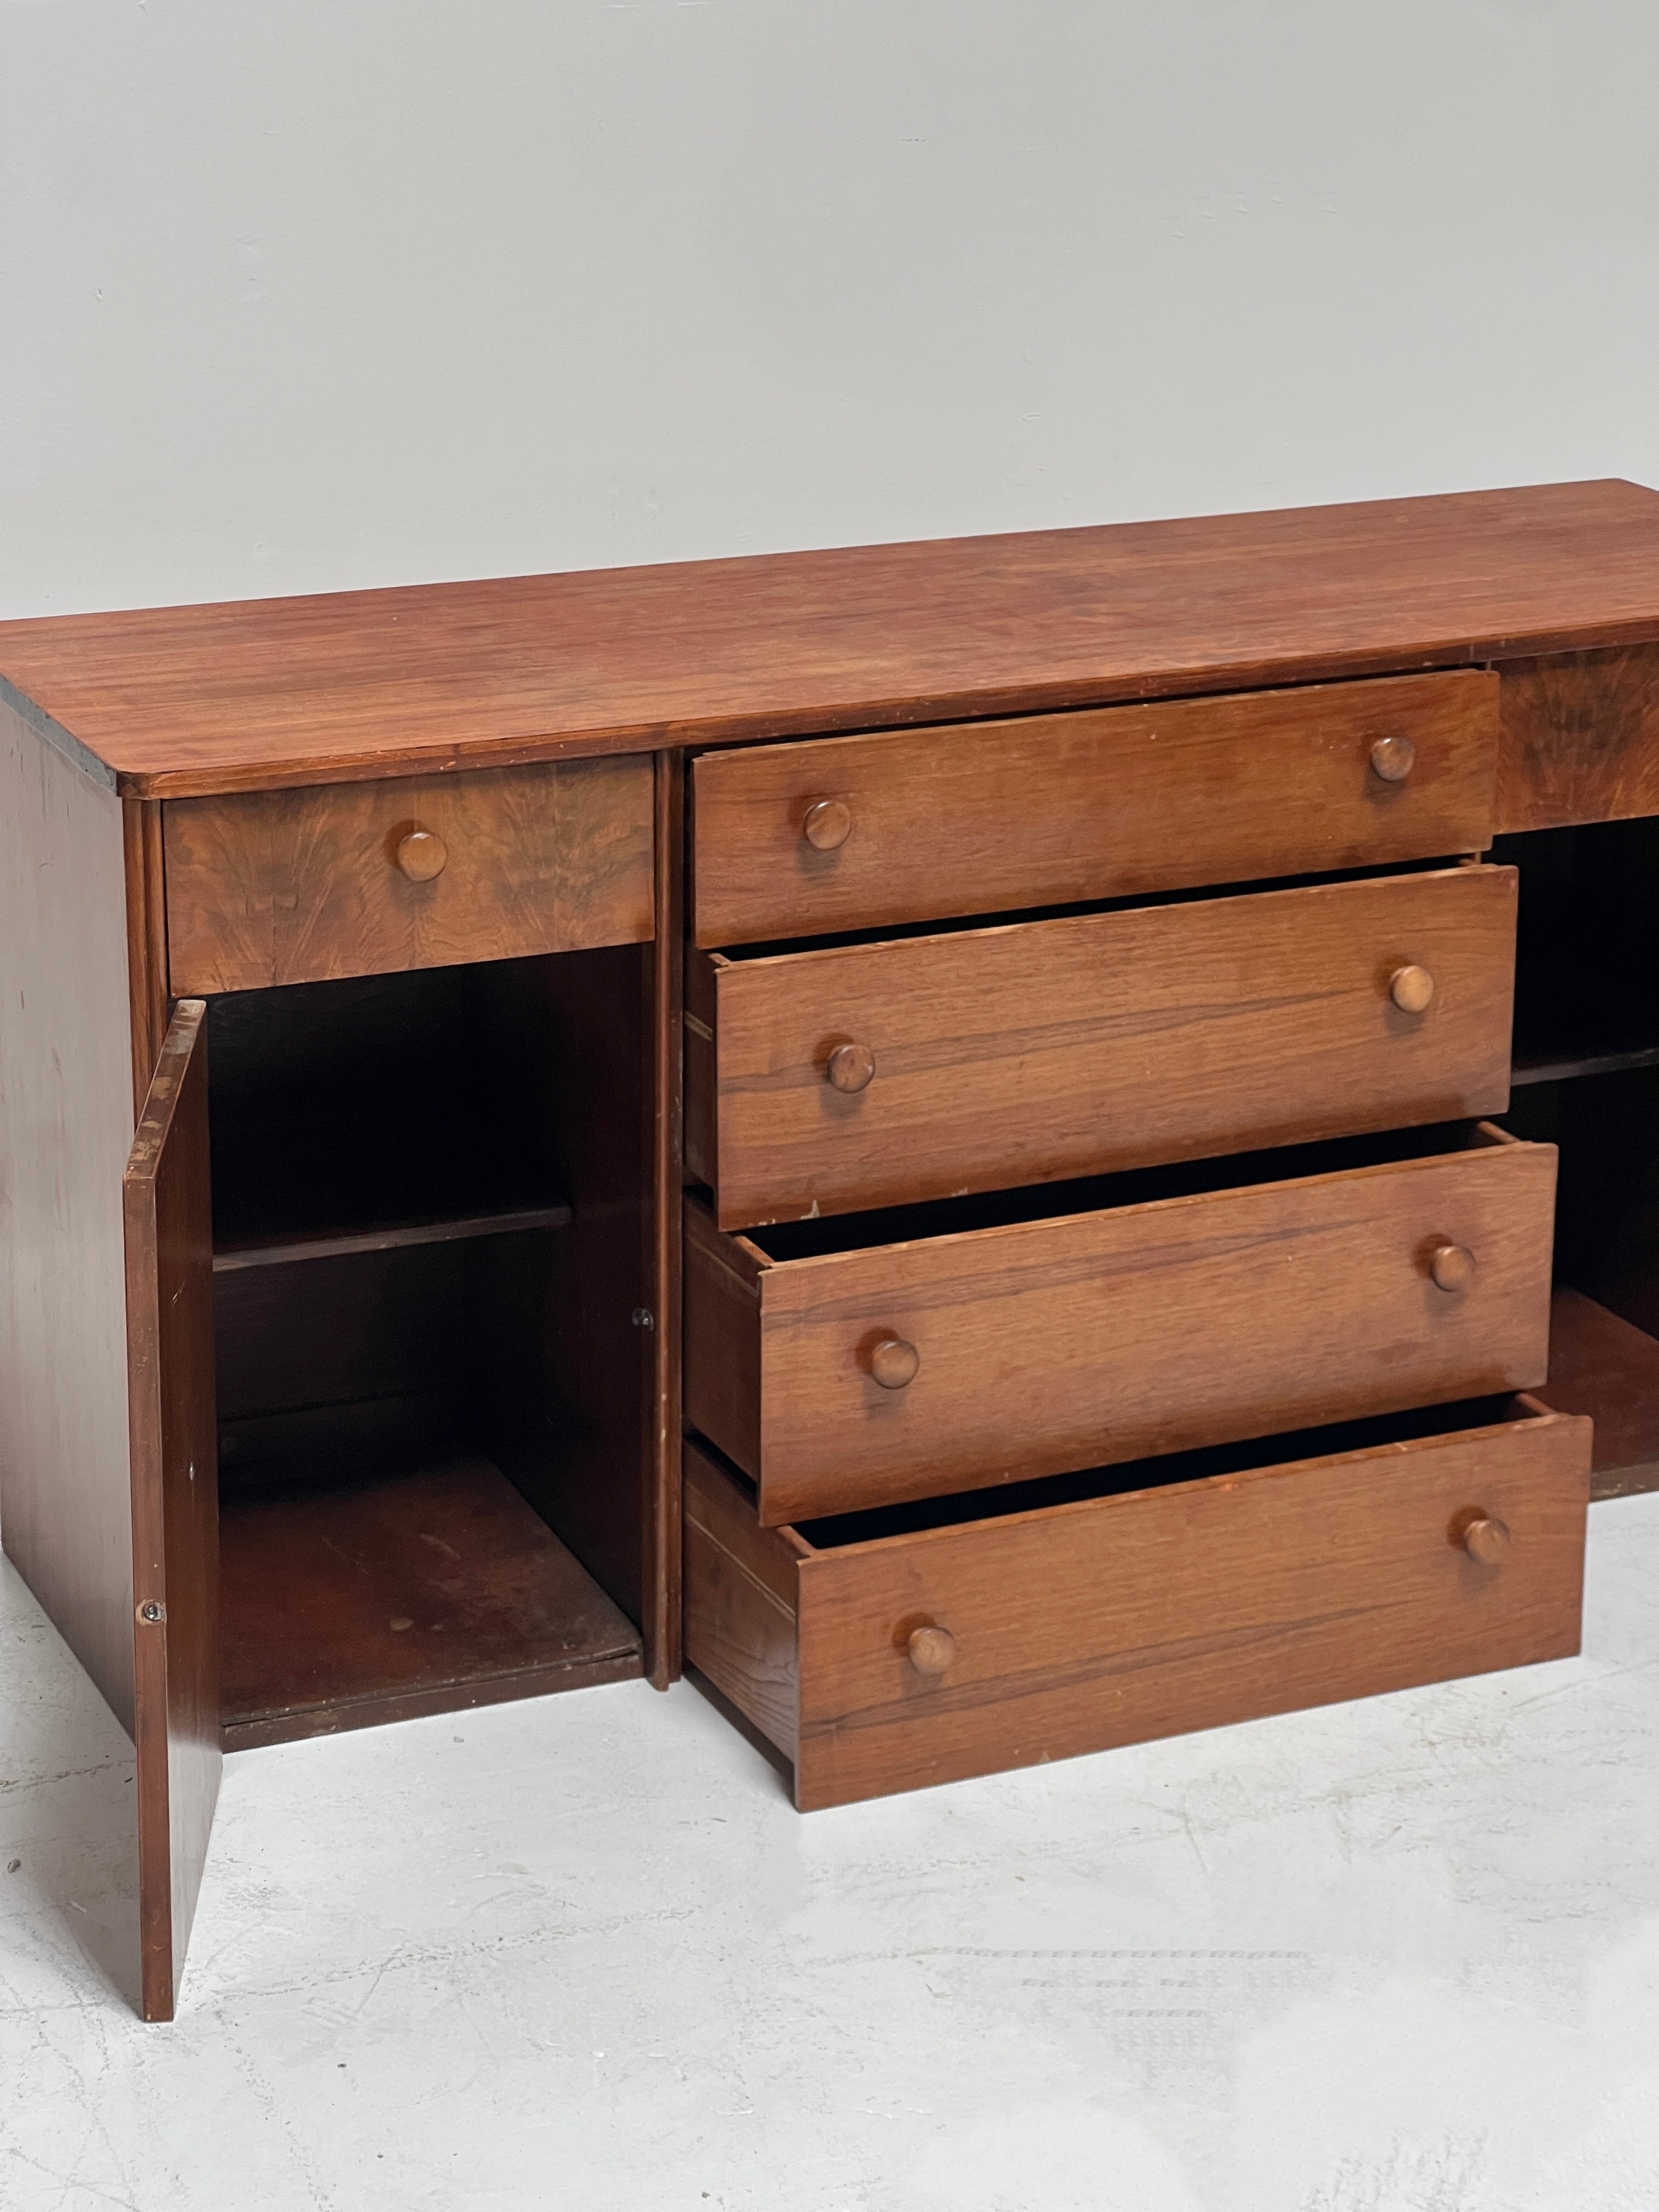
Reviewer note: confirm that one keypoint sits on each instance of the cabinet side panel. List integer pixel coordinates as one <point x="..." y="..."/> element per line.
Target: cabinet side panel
<point x="66" y="1120"/>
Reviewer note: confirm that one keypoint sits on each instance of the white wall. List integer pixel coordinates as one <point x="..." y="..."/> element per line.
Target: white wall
<point x="303" y="294"/>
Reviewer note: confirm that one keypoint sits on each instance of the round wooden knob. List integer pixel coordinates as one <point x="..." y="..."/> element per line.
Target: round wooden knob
<point x="932" y="1649"/>
<point x="851" y="1067"/>
<point x="893" y="1362"/>
<point x="1411" y="989"/>
<point x="420" y="855"/>
<point x="1485" y="1539"/>
<point x="1393" y="759"/>
<point x="829" y="824"/>
<point x="1452" y="1266"/>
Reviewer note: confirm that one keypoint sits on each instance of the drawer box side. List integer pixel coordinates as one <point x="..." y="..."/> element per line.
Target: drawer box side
<point x="740" y="1603"/>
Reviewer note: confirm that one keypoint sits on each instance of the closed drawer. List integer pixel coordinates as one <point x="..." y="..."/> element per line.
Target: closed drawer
<point x="1336" y="1568"/>
<point x="1094" y="1042"/>
<point x="917" y="1363"/>
<point x="415" y="871"/>
<point x="1116" y="802"/>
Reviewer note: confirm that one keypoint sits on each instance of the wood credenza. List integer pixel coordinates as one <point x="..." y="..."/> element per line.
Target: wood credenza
<point x="1002" y="1146"/>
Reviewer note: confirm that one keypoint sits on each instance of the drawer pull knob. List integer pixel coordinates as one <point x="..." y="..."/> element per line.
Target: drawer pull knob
<point x="1393" y="759"/>
<point x="893" y="1362"/>
<point x="932" y="1649"/>
<point x="828" y="826"/>
<point x="1452" y="1266"/>
<point x="1411" y="989"/>
<point x="1484" y="1539"/>
<point x="851" y="1067"/>
<point x="422" y="855"/>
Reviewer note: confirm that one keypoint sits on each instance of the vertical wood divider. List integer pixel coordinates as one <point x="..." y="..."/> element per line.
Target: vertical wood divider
<point x="146" y="940"/>
<point x="662" y="1625"/>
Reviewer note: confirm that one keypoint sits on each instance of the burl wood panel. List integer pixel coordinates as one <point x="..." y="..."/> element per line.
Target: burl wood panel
<point x="1114" y="1336"/>
<point x="1580" y="739"/>
<point x="1121" y="1619"/>
<point x="299" y="886"/>
<point x="1060" y="808"/>
<point x="1029" y="1053"/>
<point x="363" y="683"/>
<point x="175" y="1499"/>
<point x="66" y="1122"/>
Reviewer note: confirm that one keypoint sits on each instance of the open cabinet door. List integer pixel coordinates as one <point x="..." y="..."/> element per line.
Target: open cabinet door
<point x="175" y="1499"/>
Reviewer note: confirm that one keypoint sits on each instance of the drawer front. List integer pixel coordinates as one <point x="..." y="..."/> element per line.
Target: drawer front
<point x="1120" y="1335"/>
<point x="920" y="825"/>
<point x="1144" y="1615"/>
<point x="1081" y="1046"/>
<point x="417" y="871"/>
<point x="1037" y="1348"/>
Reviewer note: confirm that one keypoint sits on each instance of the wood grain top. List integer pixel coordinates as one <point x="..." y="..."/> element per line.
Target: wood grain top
<point x="259" y="694"/>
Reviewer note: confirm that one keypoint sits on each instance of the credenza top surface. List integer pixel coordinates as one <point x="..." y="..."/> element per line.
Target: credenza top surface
<point x="258" y="693"/>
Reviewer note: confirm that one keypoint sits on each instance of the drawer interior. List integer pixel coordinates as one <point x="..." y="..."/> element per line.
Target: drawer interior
<point x="429" y="1247"/>
<point x="1586" y="1078"/>
<point x="996" y="1209"/>
<point x="1006" y="918"/>
<point x="1216" y="1461"/>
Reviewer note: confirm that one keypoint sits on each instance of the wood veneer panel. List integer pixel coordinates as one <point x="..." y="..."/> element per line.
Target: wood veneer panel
<point x="1580" y="739"/>
<point x="1120" y="1334"/>
<point x="1155" y="1612"/>
<point x="1029" y="1053"/>
<point x="175" y="1499"/>
<point x="304" y="886"/>
<point x="66" y="1122"/>
<point x="366" y="683"/>
<point x="1056" y="809"/>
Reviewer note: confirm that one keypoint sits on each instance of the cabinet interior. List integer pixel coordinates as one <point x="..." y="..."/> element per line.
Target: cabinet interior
<point x="1586" y="1079"/>
<point x="430" y="1265"/>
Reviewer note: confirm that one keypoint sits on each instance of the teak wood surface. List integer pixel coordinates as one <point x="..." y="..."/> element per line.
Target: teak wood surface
<point x="1055" y="809"/>
<point x="1027" y="1053"/>
<point x="1120" y="1619"/>
<point x="303" y="886"/>
<point x="176" y="1500"/>
<point x="1046" y="1345"/>
<point x="256" y="695"/>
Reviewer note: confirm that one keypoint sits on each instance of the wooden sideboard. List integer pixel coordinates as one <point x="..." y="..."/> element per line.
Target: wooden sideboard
<point x="1002" y="1147"/>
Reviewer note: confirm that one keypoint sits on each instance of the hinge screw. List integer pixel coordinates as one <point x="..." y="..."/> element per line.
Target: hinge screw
<point x="643" y="1318"/>
<point x="150" y="1612"/>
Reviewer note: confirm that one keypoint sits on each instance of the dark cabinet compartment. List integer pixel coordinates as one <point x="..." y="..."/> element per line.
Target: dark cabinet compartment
<point x="1587" y="1080"/>
<point x="429" y="1276"/>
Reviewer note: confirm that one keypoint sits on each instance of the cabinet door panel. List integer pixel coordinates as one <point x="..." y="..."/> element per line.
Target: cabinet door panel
<point x="176" y="1500"/>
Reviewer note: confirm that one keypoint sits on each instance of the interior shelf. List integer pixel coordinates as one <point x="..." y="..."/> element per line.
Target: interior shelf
<point x="1608" y="1368"/>
<point x="1571" y="1020"/>
<point x="389" y="1236"/>
<point x="424" y="1592"/>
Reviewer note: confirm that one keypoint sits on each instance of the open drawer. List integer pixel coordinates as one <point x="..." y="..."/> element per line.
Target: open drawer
<point x="885" y="1651"/>
<point x="854" y="1361"/>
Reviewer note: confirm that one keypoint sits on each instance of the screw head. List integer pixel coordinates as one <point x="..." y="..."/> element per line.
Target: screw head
<point x="151" y="1613"/>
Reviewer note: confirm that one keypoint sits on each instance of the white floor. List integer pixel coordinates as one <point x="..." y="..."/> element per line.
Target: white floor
<point x="1395" y="1957"/>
